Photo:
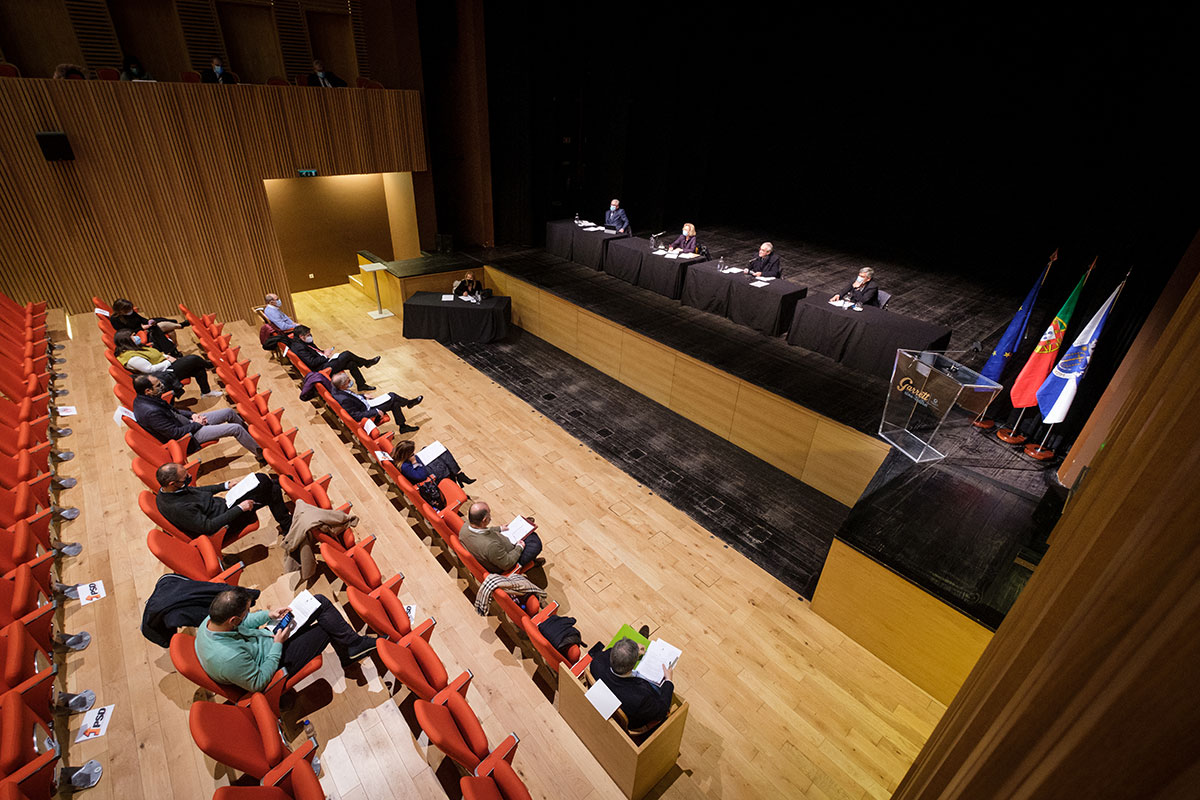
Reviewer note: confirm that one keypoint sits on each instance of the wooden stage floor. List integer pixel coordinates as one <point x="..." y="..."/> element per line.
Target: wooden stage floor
<point x="782" y="703"/>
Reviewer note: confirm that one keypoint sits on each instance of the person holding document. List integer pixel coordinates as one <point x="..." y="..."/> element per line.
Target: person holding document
<point x="616" y="217"/>
<point x="233" y="646"/>
<point x="863" y="292"/>
<point x="766" y="263"/>
<point x="645" y="704"/>
<point x="417" y="471"/>
<point x="686" y="241"/>
<point x="364" y="406"/>
<point x="197" y="511"/>
<point x="495" y="551"/>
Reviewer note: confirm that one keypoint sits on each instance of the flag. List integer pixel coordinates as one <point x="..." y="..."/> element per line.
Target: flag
<point x="1055" y="396"/>
<point x="1033" y="374"/>
<point x="1016" y="329"/>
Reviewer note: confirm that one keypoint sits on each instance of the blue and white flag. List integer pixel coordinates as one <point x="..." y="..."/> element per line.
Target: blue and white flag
<point x="1011" y="339"/>
<point x="1056" y="393"/>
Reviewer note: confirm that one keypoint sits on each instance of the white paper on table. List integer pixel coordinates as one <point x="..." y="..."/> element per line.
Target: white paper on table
<point x="659" y="252"/>
<point x="241" y="489"/>
<point x="760" y="283"/>
<point x="517" y="530"/>
<point x="672" y="255"/>
<point x="91" y="591"/>
<point x="122" y="411"/>
<point x="595" y="228"/>
<point x="378" y="401"/>
<point x="95" y="723"/>
<point x="447" y="298"/>
<point x="766" y="279"/>
<point x="431" y="451"/>
<point x="67" y="411"/>
<point x="733" y="270"/>
<point x="602" y="699"/>
<point x="102" y="312"/>
<point x="303" y="607"/>
<point x="658" y="655"/>
<point x="689" y="255"/>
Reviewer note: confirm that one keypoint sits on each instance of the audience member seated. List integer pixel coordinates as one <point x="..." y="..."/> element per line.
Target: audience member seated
<point x="645" y="705"/>
<point x="686" y="241"/>
<point x="766" y="263"/>
<point x="323" y="77"/>
<point x="416" y="471"/>
<point x="217" y="73"/>
<point x="124" y="318"/>
<point x="136" y="356"/>
<point x="69" y="72"/>
<point x="132" y="70"/>
<point x="615" y="216"/>
<point x="198" y="511"/>
<point x="468" y="286"/>
<point x="233" y="646"/>
<point x="275" y="314"/>
<point x="489" y="546"/>
<point x="163" y="421"/>
<point x="359" y="406"/>
<point x="301" y="343"/>
<point x="862" y="292"/>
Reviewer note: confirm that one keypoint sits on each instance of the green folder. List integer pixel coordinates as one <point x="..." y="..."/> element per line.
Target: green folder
<point x="627" y="632"/>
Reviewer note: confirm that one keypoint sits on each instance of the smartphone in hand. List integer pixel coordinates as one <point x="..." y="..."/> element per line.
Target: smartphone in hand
<point x="284" y="622"/>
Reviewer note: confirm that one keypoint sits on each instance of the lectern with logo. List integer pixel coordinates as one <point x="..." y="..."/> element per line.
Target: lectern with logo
<point x="926" y="387"/>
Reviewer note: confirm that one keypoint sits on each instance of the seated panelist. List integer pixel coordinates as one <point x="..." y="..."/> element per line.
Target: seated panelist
<point x="766" y="263"/>
<point x="468" y="286"/>
<point x="616" y="217"/>
<point x="862" y="292"/>
<point x="686" y="241"/>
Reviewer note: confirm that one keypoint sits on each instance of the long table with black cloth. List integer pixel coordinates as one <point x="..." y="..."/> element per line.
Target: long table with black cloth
<point x="865" y="340"/>
<point x="559" y="234"/>
<point x="634" y="261"/>
<point x="428" y="316"/>
<point x="766" y="309"/>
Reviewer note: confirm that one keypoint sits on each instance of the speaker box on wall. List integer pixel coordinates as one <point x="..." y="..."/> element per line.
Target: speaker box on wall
<point x="55" y="146"/>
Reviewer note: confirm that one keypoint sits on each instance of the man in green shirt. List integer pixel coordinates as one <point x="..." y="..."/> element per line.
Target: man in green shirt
<point x="234" y="647"/>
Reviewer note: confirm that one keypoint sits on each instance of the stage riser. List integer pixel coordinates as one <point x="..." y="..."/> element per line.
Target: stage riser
<point x="827" y="455"/>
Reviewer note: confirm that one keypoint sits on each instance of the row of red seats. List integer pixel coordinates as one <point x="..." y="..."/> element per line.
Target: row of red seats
<point x="29" y="548"/>
<point x="406" y="652"/>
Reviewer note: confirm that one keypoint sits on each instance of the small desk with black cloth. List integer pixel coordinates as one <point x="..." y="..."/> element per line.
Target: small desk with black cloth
<point x="864" y="340"/>
<point x="766" y="309"/>
<point x="428" y="316"/>
<point x="559" y="234"/>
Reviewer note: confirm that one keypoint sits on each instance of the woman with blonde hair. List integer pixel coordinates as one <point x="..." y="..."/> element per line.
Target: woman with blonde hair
<point x="686" y="241"/>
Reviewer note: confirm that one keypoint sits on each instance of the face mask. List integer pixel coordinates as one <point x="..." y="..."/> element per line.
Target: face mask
<point x="277" y="303"/>
<point x="321" y="74"/>
<point x="135" y="70"/>
<point x="612" y="208"/>
<point x="308" y="339"/>
<point x="136" y="340"/>
<point x="218" y="70"/>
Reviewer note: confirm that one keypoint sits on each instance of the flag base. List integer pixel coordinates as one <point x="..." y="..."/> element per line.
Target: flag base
<point x="1039" y="453"/>
<point x="984" y="424"/>
<point x="1010" y="436"/>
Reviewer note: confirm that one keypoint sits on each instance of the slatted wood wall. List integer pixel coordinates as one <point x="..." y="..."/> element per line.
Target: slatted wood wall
<point x="201" y="32"/>
<point x="94" y="30"/>
<point x="165" y="201"/>
<point x="292" y="27"/>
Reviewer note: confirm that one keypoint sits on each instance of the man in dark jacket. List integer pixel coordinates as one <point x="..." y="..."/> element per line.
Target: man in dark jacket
<point x="615" y="217"/>
<point x="179" y="602"/>
<point x="163" y="421"/>
<point x="197" y="511"/>
<point x="360" y="406"/>
<point x="644" y="704"/>
<point x="218" y="73"/>
<point x="766" y="263"/>
<point x="862" y="292"/>
<point x="301" y="343"/>
<point x="323" y="77"/>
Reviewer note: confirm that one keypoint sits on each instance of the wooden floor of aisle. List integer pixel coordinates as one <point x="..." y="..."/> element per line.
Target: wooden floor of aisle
<point x="782" y="704"/>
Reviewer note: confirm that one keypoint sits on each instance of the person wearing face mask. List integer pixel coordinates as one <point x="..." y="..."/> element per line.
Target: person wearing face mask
<point x="323" y="77"/>
<point x="137" y="356"/>
<point x="132" y="70"/>
<point x="124" y="318"/>
<point x="164" y="422"/>
<point x="218" y="74"/>
<point x="862" y="292"/>
<point x="275" y="314"/>
<point x="686" y="241"/>
<point x="198" y="511"/>
<point x="616" y="217"/>
<point x="301" y="343"/>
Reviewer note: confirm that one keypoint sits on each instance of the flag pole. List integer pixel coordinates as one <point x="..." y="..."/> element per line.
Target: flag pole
<point x="1010" y="435"/>
<point x="1039" y="451"/>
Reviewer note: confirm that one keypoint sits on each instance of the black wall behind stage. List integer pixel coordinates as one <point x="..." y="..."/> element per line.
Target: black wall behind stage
<point x="960" y="143"/>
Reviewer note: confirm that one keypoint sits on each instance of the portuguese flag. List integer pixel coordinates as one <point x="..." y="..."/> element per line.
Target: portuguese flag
<point x="1033" y="374"/>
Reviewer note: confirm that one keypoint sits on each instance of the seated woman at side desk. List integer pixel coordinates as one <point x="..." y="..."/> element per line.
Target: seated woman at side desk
<point x="416" y="471"/>
<point x="686" y="241"/>
<point x="468" y="286"/>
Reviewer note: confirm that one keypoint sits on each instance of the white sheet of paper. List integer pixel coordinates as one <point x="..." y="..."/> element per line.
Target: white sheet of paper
<point x="240" y="489"/>
<point x="767" y="279"/>
<point x="380" y="400"/>
<point x="733" y="270"/>
<point x="658" y="655"/>
<point x="595" y="228"/>
<point x="760" y="283"/>
<point x="286" y="350"/>
<point x="381" y="456"/>
<point x="602" y="699"/>
<point x="411" y="610"/>
<point x="303" y="607"/>
<point x="659" y="252"/>
<point x="67" y="411"/>
<point x="369" y="426"/>
<point x="102" y="312"/>
<point x="95" y="723"/>
<point x="122" y="411"/>
<point x="518" y="529"/>
<point x="689" y="255"/>
<point x="333" y="355"/>
<point x="672" y="255"/>
<point x="91" y="592"/>
<point x="431" y="451"/>
<point x="447" y="298"/>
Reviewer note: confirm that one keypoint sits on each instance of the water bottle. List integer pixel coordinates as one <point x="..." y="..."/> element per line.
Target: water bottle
<point x="721" y="264"/>
<point x="311" y="733"/>
<point x="576" y="217"/>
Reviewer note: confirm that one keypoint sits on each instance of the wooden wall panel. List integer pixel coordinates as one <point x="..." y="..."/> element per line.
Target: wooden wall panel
<point x="526" y="301"/>
<point x="332" y="40"/>
<point x="95" y="33"/>
<point x="598" y="343"/>
<point x="647" y="367"/>
<point x="559" y="322"/>
<point x="402" y="215"/>
<point x="38" y="36"/>
<point x="776" y="430"/>
<point x="704" y="395"/>
<point x="202" y="33"/>
<point x="150" y="30"/>
<point x="841" y="461"/>
<point x="250" y="41"/>
<point x="165" y="199"/>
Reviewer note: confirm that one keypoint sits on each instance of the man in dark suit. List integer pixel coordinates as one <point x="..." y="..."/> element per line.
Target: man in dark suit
<point x="862" y="292"/>
<point x="766" y="263"/>
<point x="218" y="74"/>
<point x="645" y="705"/>
<point x="359" y="406"/>
<point x="301" y="343"/>
<point x="197" y="511"/>
<point x="163" y="421"/>
<point x="615" y="217"/>
<point x="323" y="77"/>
